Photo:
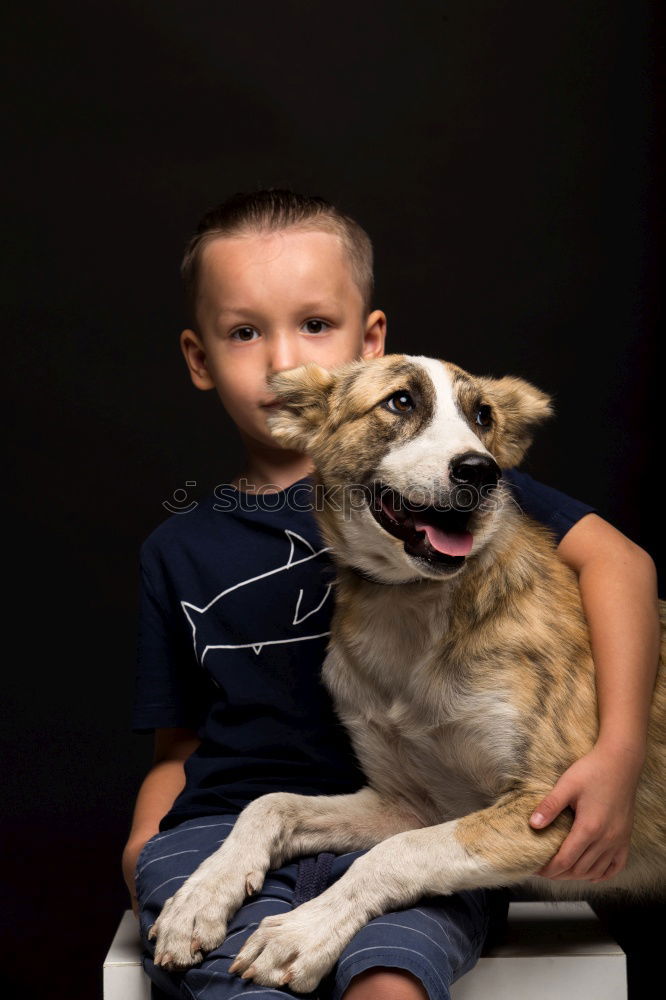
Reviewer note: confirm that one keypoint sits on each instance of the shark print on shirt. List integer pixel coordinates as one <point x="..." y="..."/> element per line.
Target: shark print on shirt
<point x="297" y="601"/>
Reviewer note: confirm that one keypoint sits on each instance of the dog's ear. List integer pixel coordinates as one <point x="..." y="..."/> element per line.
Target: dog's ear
<point x="518" y="407"/>
<point x="305" y="393"/>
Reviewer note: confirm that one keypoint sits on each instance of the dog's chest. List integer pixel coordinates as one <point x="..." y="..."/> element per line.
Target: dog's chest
<point x="451" y="768"/>
<point x="446" y="747"/>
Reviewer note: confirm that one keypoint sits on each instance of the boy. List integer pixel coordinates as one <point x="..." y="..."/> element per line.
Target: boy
<point x="229" y="664"/>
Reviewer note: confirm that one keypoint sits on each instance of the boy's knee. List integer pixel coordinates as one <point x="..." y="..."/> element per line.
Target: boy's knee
<point x="385" y="983"/>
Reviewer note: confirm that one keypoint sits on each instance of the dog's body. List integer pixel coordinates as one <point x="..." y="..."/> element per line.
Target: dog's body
<point x="459" y="661"/>
<point x="515" y="706"/>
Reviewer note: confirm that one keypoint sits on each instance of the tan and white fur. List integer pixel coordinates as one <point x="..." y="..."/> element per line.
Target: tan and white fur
<point x="466" y="682"/>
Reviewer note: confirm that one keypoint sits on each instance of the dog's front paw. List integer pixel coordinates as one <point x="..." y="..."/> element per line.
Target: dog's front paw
<point x="295" y="948"/>
<point x="190" y="923"/>
<point x="194" y="920"/>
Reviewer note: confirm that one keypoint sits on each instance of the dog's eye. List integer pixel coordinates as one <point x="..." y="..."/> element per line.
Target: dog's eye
<point x="400" y="402"/>
<point x="484" y="416"/>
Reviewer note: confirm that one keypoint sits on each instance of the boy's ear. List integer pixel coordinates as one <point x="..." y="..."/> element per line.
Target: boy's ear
<point x="519" y="406"/>
<point x="305" y="393"/>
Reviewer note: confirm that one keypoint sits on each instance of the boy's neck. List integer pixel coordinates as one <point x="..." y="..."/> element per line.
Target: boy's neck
<point x="260" y="471"/>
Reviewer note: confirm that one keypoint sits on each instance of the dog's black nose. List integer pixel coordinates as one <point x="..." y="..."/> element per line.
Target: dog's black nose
<point x="472" y="469"/>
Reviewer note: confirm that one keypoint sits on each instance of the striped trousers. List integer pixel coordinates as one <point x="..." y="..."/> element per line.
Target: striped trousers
<point x="437" y="940"/>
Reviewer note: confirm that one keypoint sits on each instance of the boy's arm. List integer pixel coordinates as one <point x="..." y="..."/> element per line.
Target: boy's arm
<point x="617" y="581"/>
<point x="158" y="791"/>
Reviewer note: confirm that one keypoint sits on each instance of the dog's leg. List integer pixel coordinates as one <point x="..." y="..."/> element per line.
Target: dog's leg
<point x="268" y="832"/>
<point x="492" y="847"/>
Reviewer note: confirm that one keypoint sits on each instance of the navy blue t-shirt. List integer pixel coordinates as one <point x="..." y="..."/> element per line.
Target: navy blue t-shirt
<point x="235" y="610"/>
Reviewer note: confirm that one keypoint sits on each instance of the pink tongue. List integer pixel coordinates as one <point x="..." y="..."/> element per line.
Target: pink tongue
<point x="457" y="543"/>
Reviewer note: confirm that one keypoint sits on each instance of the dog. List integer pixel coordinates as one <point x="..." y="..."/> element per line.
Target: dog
<point x="459" y="662"/>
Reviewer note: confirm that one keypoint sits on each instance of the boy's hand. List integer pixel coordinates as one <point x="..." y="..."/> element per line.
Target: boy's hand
<point x="601" y="789"/>
<point x="130" y="854"/>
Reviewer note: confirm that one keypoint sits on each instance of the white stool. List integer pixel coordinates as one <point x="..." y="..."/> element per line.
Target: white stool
<point x="124" y="978"/>
<point x="551" y="951"/>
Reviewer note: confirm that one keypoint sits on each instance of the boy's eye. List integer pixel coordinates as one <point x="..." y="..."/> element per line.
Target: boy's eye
<point x="245" y="332"/>
<point x="400" y="402"/>
<point x="315" y="325"/>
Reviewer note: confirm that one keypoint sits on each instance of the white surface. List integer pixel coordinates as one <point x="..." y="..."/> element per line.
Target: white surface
<point x="124" y="978"/>
<point x="551" y="951"/>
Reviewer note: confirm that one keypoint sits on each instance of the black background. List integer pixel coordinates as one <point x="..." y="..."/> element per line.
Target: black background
<point x="502" y="159"/>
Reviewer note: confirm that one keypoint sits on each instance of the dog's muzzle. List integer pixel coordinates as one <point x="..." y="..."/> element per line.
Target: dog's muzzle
<point x="440" y="535"/>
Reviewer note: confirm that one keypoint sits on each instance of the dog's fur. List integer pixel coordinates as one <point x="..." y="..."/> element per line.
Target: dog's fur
<point x="466" y="683"/>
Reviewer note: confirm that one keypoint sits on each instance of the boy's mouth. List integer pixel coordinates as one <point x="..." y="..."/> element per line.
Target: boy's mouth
<point x="437" y="534"/>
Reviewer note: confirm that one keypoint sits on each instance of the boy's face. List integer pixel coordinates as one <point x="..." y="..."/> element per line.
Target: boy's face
<point x="272" y="302"/>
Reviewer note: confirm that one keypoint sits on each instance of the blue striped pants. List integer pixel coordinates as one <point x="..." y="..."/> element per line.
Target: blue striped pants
<point x="437" y="941"/>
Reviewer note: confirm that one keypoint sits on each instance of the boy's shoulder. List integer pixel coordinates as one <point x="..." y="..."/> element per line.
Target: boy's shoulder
<point x="209" y="532"/>
<point x="233" y="522"/>
<point x="228" y="542"/>
<point x="183" y="525"/>
<point x="554" y="509"/>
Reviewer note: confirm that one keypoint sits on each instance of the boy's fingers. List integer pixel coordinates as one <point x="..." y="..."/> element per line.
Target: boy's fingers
<point x="614" y="867"/>
<point x="600" y="866"/>
<point x="568" y="855"/>
<point x="588" y="861"/>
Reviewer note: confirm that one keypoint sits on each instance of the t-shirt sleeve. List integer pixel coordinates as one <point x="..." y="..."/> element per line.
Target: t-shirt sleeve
<point x="555" y="510"/>
<point x="171" y="689"/>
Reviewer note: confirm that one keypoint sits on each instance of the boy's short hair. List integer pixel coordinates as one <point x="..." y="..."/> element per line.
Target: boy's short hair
<point x="271" y="210"/>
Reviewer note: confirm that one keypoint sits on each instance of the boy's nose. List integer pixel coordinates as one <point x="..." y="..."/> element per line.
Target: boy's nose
<point x="284" y="354"/>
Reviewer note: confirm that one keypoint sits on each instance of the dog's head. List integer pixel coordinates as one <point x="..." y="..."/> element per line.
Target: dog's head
<point x="410" y="451"/>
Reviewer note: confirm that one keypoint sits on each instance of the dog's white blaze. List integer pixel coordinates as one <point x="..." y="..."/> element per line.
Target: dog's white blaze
<point x="427" y="456"/>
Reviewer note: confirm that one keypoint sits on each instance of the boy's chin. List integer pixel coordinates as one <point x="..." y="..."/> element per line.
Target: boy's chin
<point x="260" y="436"/>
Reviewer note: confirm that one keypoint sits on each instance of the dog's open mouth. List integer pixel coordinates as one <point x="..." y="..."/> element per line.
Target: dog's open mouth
<point x="433" y="533"/>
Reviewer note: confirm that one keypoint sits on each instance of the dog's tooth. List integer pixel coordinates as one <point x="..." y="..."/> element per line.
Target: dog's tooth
<point x="389" y="511"/>
<point x="395" y="506"/>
